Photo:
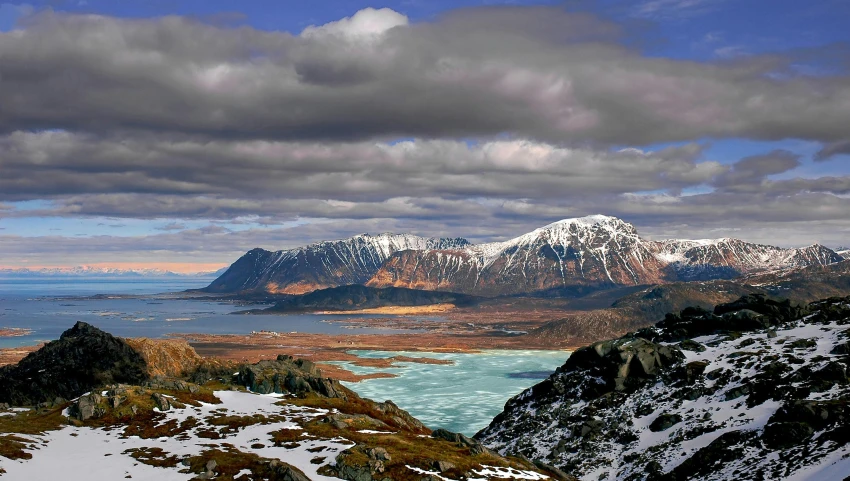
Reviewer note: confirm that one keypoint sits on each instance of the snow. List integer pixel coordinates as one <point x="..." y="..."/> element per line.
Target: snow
<point x="92" y="454"/>
<point x="107" y="462"/>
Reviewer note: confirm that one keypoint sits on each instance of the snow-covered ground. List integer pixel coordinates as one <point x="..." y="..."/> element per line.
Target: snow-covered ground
<point x="101" y="454"/>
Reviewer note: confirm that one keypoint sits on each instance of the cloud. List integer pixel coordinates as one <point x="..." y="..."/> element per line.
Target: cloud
<point x="832" y="149"/>
<point x="249" y="171"/>
<point x="527" y="72"/>
<point x="368" y="23"/>
<point x="674" y="9"/>
<point x="750" y="172"/>
<point x="172" y="226"/>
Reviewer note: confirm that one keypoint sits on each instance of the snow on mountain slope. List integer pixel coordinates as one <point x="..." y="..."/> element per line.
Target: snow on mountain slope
<point x="693" y="400"/>
<point x="588" y="252"/>
<point x="595" y="251"/>
<point x="739" y="256"/>
<point x="320" y="265"/>
<point x="845" y="254"/>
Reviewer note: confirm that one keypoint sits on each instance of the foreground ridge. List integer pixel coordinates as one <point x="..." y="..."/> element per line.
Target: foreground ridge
<point x="277" y="420"/>
<point x="756" y="389"/>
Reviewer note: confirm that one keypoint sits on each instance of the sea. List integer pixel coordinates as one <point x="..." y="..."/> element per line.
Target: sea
<point x="462" y="396"/>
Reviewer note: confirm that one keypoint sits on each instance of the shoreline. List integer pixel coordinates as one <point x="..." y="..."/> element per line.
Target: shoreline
<point x="14" y="331"/>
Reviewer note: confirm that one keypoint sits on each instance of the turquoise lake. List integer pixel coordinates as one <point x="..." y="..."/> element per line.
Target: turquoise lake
<point x="462" y="397"/>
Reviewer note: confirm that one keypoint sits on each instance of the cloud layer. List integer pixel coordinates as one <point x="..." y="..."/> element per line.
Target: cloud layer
<point x="485" y="123"/>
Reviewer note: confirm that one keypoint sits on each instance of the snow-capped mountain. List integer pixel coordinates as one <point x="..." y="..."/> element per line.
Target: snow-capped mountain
<point x="755" y="390"/>
<point x="323" y="264"/>
<point x="91" y="271"/>
<point x="844" y="253"/>
<point x="594" y="250"/>
<point x="727" y="258"/>
<point x="589" y="252"/>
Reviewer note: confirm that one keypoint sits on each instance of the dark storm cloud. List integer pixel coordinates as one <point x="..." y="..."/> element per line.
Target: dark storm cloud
<point x="833" y="149"/>
<point x="534" y="72"/>
<point x="251" y="174"/>
<point x="748" y="173"/>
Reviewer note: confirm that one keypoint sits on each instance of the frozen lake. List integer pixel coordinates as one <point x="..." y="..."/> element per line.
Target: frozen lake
<point x="461" y="397"/>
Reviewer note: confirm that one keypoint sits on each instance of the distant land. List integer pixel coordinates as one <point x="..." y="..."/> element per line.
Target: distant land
<point x="89" y="271"/>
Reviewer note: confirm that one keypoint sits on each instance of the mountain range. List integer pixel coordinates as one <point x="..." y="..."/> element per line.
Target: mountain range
<point x="593" y="252"/>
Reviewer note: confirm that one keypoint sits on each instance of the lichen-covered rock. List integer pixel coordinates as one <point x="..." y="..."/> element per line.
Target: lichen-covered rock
<point x="288" y="375"/>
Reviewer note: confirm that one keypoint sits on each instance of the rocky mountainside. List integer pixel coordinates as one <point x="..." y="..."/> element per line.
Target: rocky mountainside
<point x="582" y="254"/>
<point x="317" y="266"/>
<point x="805" y="284"/>
<point x="755" y="389"/>
<point x="356" y="297"/>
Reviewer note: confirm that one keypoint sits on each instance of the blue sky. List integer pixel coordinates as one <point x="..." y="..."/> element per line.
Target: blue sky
<point x="779" y="57"/>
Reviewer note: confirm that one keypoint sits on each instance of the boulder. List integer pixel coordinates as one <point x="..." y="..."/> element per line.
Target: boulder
<point x="288" y="375"/>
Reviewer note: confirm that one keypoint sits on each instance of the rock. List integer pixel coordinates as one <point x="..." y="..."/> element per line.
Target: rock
<point x="786" y="434"/>
<point x="286" y="375"/>
<point x="211" y="465"/>
<point x="87" y="407"/>
<point x="83" y="359"/>
<point x="460" y="440"/>
<point x="665" y="422"/>
<point x="443" y="466"/>
<point x="378" y="453"/>
<point x="623" y="364"/>
<point x="691" y="345"/>
<point x="289" y="473"/>
<point x="161" y="402"/>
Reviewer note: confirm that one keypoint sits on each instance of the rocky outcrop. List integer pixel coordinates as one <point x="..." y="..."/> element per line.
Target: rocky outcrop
<point x="288" y="375"/>
<point x="83" y="358"/>
<point x="761" y="394"/>
<point x="355" y="297"/>
<point x="748" y="313"/>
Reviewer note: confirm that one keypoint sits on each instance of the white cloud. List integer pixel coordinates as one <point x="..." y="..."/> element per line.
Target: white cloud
<point x="365" y="24"/>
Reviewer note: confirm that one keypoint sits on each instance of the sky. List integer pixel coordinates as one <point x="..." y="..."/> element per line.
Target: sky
<point x="182" y="133"/>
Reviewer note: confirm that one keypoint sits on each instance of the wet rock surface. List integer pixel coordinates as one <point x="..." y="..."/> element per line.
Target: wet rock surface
<point x="751" y="390"/>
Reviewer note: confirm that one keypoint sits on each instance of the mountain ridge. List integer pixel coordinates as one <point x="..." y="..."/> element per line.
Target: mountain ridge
<point x="595" y="252"/>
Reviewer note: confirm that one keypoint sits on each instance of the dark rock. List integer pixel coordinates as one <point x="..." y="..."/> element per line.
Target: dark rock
<point x="460" y="440"/>
<point x="87" y="407"/>
<point x="786" y="434"/>
<point x="161" y="402"/>
<point x="84" y="358"/>
<point x="691" y="345"/>
<point x="288" y="375"/>
<point x="442" y="466"/>
<point x="664" y="422"/>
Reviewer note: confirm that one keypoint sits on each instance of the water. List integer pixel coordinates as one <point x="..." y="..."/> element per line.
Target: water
<point x="463" y="397"/>
<point x="49" y="307"/>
